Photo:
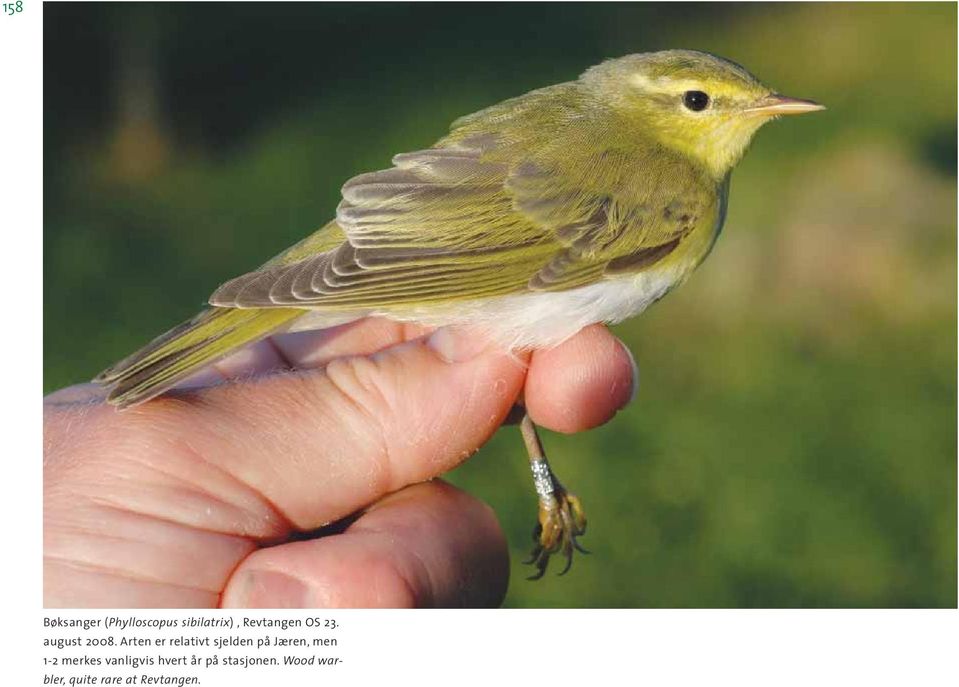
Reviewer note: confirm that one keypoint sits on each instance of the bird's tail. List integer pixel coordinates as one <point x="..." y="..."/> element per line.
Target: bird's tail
<point x="175" y="355"/>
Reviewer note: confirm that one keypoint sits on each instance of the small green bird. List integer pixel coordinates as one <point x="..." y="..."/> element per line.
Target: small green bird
<point x="577" y="203"/>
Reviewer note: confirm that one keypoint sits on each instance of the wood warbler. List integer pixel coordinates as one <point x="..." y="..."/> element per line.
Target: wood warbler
<point x="577" y="203"/>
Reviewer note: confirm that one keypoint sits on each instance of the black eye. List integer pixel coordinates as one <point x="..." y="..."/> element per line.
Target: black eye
<point x="697" y="101"/>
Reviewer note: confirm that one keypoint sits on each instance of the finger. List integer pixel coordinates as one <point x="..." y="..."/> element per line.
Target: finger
<point x="78" y="393"/>
<point x="363" y="337"/>
<point x="306" y="349"/>
<point x="582" y="382"/>
<point x="318" y="445"/>
<point x="299" y="350"/>
<point x="257" y="358"/>
<point x="429" y="545"/>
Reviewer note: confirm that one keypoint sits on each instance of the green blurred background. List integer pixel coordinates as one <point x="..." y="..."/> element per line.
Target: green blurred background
<point x="794" y="438"/>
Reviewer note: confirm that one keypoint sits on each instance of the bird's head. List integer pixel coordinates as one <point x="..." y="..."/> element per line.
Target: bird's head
<point x="699" y="104"/>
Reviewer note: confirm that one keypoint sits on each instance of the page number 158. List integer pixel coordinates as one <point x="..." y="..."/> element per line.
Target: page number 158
<point x="13" y="7"/>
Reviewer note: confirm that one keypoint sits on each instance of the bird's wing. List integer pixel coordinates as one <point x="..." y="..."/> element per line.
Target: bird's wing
<point x="439" y="225"/>
<point x="475" y="218"/>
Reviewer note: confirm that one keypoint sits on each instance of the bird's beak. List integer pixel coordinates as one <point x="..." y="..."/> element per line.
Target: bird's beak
<point x="774" y="105"/>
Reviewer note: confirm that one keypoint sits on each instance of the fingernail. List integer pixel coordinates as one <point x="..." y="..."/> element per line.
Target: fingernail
<point x="455" y="346"/>
<point x="635" y="380"/>
<point x="269" y="589"/>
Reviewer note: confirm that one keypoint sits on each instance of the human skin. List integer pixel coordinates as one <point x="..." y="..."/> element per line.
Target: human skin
<point x="200" y="498"/>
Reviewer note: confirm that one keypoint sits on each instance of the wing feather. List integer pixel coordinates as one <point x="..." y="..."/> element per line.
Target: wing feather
<point x="606" y="231"/>
<point x="440" y="225"/>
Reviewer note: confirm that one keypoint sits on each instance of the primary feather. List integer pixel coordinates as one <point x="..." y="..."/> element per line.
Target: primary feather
<point x="175" y="355"/>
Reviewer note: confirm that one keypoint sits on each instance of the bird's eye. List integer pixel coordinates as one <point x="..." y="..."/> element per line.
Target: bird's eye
<point x="697" y="101"/>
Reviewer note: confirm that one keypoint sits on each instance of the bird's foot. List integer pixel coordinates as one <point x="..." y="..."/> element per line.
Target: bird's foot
<point x="561" y="521"/>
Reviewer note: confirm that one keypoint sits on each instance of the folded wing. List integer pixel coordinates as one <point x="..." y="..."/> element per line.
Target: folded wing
<point x="484" y="215"/>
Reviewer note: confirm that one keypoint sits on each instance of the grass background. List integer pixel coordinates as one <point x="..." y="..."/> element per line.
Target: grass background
<point x="794" y="438"/>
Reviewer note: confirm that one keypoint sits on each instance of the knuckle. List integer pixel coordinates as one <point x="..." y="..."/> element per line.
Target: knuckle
<point x="359" y="384"/>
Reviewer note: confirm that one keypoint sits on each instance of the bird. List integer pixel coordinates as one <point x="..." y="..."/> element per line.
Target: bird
<point x="579" y="203"/>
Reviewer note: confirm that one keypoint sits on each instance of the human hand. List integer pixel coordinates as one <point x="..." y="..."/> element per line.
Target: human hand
<point x="199" y="498"/>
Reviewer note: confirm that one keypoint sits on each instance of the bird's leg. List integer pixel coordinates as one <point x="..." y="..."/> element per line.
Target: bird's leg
<point x="561" y="516"/>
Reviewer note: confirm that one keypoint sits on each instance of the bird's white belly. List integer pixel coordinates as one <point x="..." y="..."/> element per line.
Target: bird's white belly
<point x="534" y="319"/>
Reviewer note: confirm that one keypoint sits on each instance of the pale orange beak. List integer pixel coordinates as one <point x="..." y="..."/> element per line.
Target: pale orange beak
<point x="775" y="105"/>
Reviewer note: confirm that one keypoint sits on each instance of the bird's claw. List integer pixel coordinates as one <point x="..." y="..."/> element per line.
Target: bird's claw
<point x="561" y="521"/>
